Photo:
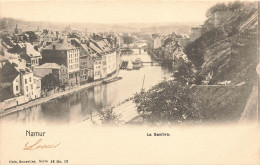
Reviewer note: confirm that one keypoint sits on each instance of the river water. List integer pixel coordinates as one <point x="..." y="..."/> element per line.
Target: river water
<point x="78" y="106"/>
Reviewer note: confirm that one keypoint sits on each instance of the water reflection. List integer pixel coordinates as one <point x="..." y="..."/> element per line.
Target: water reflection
<point x="78" y="106"/>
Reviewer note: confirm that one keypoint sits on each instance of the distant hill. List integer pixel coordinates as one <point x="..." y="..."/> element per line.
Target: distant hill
<point x="8" y="24"/>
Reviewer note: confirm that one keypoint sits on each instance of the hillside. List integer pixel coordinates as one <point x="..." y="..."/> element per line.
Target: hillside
<point x="149" y="28"/>
<point x="221" y="76"/>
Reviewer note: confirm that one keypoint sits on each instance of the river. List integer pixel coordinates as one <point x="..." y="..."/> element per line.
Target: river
<point x="76" y="107"/>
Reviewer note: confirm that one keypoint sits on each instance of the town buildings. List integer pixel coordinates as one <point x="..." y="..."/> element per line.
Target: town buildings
<point x="59" y="72"/>
<point x="195" y="33"/>
<point x="7" y="56"/>
<point x="18" y="83"/>
<point x="30" y="55"/>
<point x="179" y="58"/>
<point x="29" y="59"/>
<point x="48" y="36"/>
<point x="108" y="58"/>
<point x="156" y="41"/>
<point x="86" y="61"/>
<point x="63" y="53"/>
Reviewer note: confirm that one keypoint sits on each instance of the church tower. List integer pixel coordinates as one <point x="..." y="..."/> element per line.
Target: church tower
<point x="16" y="30"/>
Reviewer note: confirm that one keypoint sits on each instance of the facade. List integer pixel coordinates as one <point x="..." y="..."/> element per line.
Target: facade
<point x="96" y="54"/>
<point x="168" y="50"/>
<point x="195" y="33"/>
<point x="86" y="62"/>
<point x="58" y="71"/>
<point x="108" y="57"/>
<point x="37" y="86"/>
<point x="30" y="55"/>
<point x="63" y="53"/>
<point x="156" y="41"/>
<point x="19" y="82"/>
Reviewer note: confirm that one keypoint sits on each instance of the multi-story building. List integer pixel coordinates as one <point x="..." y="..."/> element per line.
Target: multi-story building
<point x="96" y="55"/>
<point x="59" y="72"/>
<point x="30" y="55"/>
<point x="37" y="86"/>
<point x="108" y="57"/>
<point x="86" y="61"/>
<point x="63" y="53"/>
<point x="156" y="41"/>
<point x="195" y="33"/>
<point x="19" y="81"/>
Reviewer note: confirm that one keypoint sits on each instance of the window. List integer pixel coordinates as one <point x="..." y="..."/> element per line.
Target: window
<point x="27" y="88"/>
<point x="25" y="81"/>
<point x="16" y="87"/>
<point x="30" y="79"/>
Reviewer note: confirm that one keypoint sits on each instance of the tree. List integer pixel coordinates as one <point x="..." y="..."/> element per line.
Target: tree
<point x="108" y="117"/>
<point x="236" y="5"/>
<point x="169" y="101"/>
<point x="185" y="74"/>
<point x="127" y="39"/>
<point x="217" y="7"/>
<point x="49" y="82"/>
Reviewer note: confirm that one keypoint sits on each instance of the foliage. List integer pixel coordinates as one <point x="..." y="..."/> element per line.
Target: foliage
<point x="168" y="40"/>
<point x="32" y="36"/>
<point x="128" y="39"/>
<point x="217" y="7"/>
<point x="167" y="101"/>
<point x="195" y="50"/>
<point x="49" y="81"/>
<point x="236" y="5"/>
<point x="107" y="116"/>
<point x="186" y="74"/>
<point x="231" y="6"/>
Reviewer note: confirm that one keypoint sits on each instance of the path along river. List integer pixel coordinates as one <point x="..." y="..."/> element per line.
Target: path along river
<point x="76" y="107"/>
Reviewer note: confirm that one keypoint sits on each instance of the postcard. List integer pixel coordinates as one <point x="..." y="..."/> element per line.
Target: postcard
<point x="129" y="82"/>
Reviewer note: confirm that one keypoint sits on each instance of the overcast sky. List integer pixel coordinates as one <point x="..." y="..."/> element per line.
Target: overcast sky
<point x="107" y="11"/>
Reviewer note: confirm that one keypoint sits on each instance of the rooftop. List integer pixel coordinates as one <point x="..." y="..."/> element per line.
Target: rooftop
<point x="8" y="56"/>
<point x="30" y="51"/>
<point x="20" y="65"/>
<point x="60" y="45"/>
<point x="48" y="66"/>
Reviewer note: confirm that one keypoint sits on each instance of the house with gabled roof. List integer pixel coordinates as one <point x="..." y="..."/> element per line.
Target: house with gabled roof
<point x="18" y="80"/>
<point x="64" y="53"/>
<point x="59" y="72"/>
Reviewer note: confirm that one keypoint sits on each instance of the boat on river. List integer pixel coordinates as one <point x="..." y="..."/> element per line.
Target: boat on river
<point x="111" y="80"/>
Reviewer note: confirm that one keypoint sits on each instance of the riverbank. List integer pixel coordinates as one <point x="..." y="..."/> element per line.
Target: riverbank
<point x="55" y="95"/>
<point x="125" y="111"/>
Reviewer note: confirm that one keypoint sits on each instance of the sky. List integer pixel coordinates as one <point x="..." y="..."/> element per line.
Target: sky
<point x="112" y="11"/>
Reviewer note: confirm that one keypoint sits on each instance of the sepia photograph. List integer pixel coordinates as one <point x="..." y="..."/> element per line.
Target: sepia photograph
<point x="129" y="82"/>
